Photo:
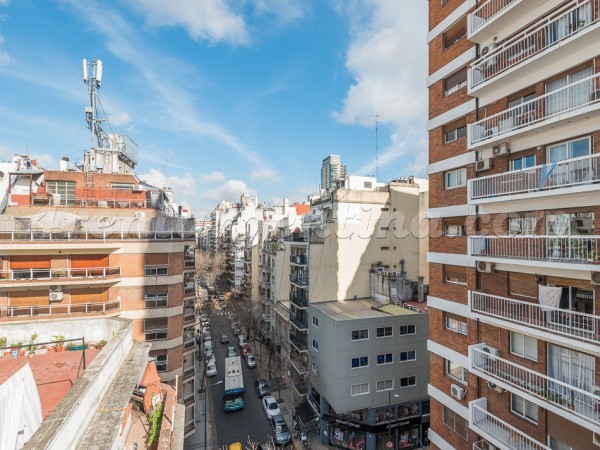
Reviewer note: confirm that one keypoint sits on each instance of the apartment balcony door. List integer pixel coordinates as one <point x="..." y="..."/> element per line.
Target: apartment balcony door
<point x="566" y="99"/>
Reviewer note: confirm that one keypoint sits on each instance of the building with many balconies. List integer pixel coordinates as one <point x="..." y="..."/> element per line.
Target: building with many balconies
<point x="514" y="132"/>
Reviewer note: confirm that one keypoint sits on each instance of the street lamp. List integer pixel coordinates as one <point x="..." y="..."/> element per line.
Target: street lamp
<point x="390" y="417"/>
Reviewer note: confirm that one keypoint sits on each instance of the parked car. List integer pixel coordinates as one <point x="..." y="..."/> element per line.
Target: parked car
<point x="208" y="353"/>
<point x="245" y="350"/>
<point x="280" y="430"/>
<point x="206" y="334"/>
<point x="250" y="361"/>
<point x="241" y="340"/>
<point x="270" y="406"/>
<point x="211" y="368"/>
<point x="231" y="351"/>
<point x="224" y="338"/>
<point x="262" y="387"/>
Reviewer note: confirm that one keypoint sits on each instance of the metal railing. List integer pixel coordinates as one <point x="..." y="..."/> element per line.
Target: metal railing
<point x="579" y="402"/>
<point x="158" y="334"/>
<point x="299" y="300"/>
<point x="299" y="323"/>
<point x="301" y="346"/>
<point x="189" y="263"/>
<point x="79" y="202"/>
<point x="486" y="12"/>
<point x="156" y="301"/>
<point x="298" y="259"/>
<point x="567" y="173"/>
<point x="512" y="437"/>
<point x="567" y="99"/>
<point x="559" y="321"/>
<point x="569" y="249"/>
<point x="12" y="312"/>
<point x="299" y="280"/>
<point x="68" y="273"/>
<point x="549" y="32"/>
<point x="61" y="236"/>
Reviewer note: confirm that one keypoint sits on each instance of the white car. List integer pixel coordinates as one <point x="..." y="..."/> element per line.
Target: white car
<point x="270" y="406"/>
<point x="241" y="340"/>
<point x="211" y="368"/>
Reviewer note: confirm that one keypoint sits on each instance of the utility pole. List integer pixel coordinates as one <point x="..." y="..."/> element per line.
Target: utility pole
<point x="376" y="117"/>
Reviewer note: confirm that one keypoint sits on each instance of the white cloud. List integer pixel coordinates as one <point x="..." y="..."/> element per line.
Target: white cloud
<point x="210" y="20"/>
<point x="183" y="184"/>
<point x="284" y="10"/>
<point x="213" y="177"/>
<point x="46" y="161"/>
<point x="230" y="190"/>
<point x="5" y="58"/>
<point x="264" y="174"/>
<point x="5" y="2"/>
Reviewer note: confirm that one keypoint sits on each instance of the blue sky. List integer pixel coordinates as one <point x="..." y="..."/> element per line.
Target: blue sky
<point x="222" y="96"/>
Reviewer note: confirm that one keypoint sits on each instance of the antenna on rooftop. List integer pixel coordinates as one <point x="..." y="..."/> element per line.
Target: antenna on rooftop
<point x="376" y="117"/>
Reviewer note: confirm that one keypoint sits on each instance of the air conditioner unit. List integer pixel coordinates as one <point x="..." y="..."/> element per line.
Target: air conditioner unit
<point x="137" y="187"/>
<point x="457" y="392"/>
<point x="495" y="387"/>
<point x="483" y="164"/>
<point x="55" y="296"/>
<point x="55" y="288"/>
<point x="489" y="349"/>
<point x="595" y="278"/>
<point x="485" y="267"/>
<point x="487" y="49"/>
<point x="501" y="149"/>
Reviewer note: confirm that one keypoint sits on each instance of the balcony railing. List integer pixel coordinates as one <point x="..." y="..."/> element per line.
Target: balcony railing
<point x="558" y="321"/>
<point x="298" y="259"/>
<point x="299" y="280"/>
<point x="301" y="324"/>
<point x="189" y="289"/>
<point x="188" y="340"/>
<point x="513" y="438"/>
<point x="563" y="174"/>
<point x="300" y="345"/>
<point x="548" y="33"/>
<point x="298" y="300"/>
<point x="49" y="274"/>
<point x="94" y="236"/>
<point x="12" y="312"/>
<point x="189" y="264"/>
<point x="158" y="334"/>
<point x="156" y="301"/>
<point x="562" y="395"/>
<point x="486" y="12"/>
<point x="298" y="237"/>
<point x="567" y="99"/>
<point x="569" y="249"/>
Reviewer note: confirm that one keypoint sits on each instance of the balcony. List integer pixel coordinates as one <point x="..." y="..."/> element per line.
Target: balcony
<point x="299" y="301"/>
<point x="299" y="280"/>
<point x="299" y="344"/>
<point x="156" y="301"/>
<point x="16" y="312"/>
<point x="556" y="35"/>
<point x="158" y="334"/>
<point x="497" y="431"/>
<point x="549" y="393"/>
<point x="299" y="260"/>
<point x="94" y="236"/>
<point x="189" y="289"/>
<point x="53" y="274"/>
<point x="565" y="177"/>
<point x="265" y="284"/>
<point x="189" y="264"/>
<point x="188" y="340"/>
<point x="299" y="323"/>
<point x="189" y="316"/>
<point x="489" y="12"/>
<point x="560" y="322"/>
<point x="581" y="250"/>
<point x="541" y="113"/>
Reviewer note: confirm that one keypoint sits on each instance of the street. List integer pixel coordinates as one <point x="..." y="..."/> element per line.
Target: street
<point x="239" y="426"/>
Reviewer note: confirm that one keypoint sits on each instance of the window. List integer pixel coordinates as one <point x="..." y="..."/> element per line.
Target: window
<point x="151" y="271"/>
<point x="410" y="355"/>
<point x="161" y="363"/>
<point x="156" y="329"/>
<point x="360" y="335"/>
<point x="359" y="389"/>
<point x="455" y="33"/>
<point x="523" y="345"/>
<point x="522" y="113"/>
<point x="455" y="422"/>
<point x="407" y="329"/>
<point x="456" y="178"/>
<point x="156" y="300"/>
<point x="459" y="373"/>
<point x="523" y="408"/>
<point x="522" y="225"/>
<point x="455" y="227"/>
<point x="522" y="163"/>
<point x="456" y="133"/>
<point x="367" y="184"/>
<point x="456" y="81"/>
<point x="128" y="186"/>
<point x="455" y="274"/>
<point x="386" y="358"/>
<point x="385" y="385"/>
<point x="384" y="332"/>
<point x="62" y="191"/>
<point x="569" y="150"/>
<point x="362" y="361"/>
<point x="315" y="322"/>
<point x="408" y="381"/>
<point x="456" y="324"/>
<point x="315" y="345"/>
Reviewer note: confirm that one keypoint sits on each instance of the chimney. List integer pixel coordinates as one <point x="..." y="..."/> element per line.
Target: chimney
<point x="64" y="164"/>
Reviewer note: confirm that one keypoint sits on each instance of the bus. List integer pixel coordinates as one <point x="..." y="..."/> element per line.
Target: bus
<point x="234" y="384"/>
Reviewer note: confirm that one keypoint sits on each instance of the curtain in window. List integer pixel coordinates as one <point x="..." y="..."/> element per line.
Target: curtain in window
<point x="573" y="368"/>
<point x="571" y="97"/>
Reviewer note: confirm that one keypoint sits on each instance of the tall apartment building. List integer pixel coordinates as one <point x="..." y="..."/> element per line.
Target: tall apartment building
<point x="81" y="245"/>
<point x="514" y="132"/>
<point x="331" y="170"/>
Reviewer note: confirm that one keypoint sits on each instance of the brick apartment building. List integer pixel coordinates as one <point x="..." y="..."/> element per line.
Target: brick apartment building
<point x="514" y="95"/>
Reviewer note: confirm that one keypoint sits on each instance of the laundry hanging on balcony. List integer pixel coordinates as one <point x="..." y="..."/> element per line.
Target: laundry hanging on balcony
<point x="549" y="297"/>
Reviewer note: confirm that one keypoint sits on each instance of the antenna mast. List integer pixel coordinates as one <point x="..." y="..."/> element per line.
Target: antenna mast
<point x="376" y="117"/>
<point x="93" y="82"/>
